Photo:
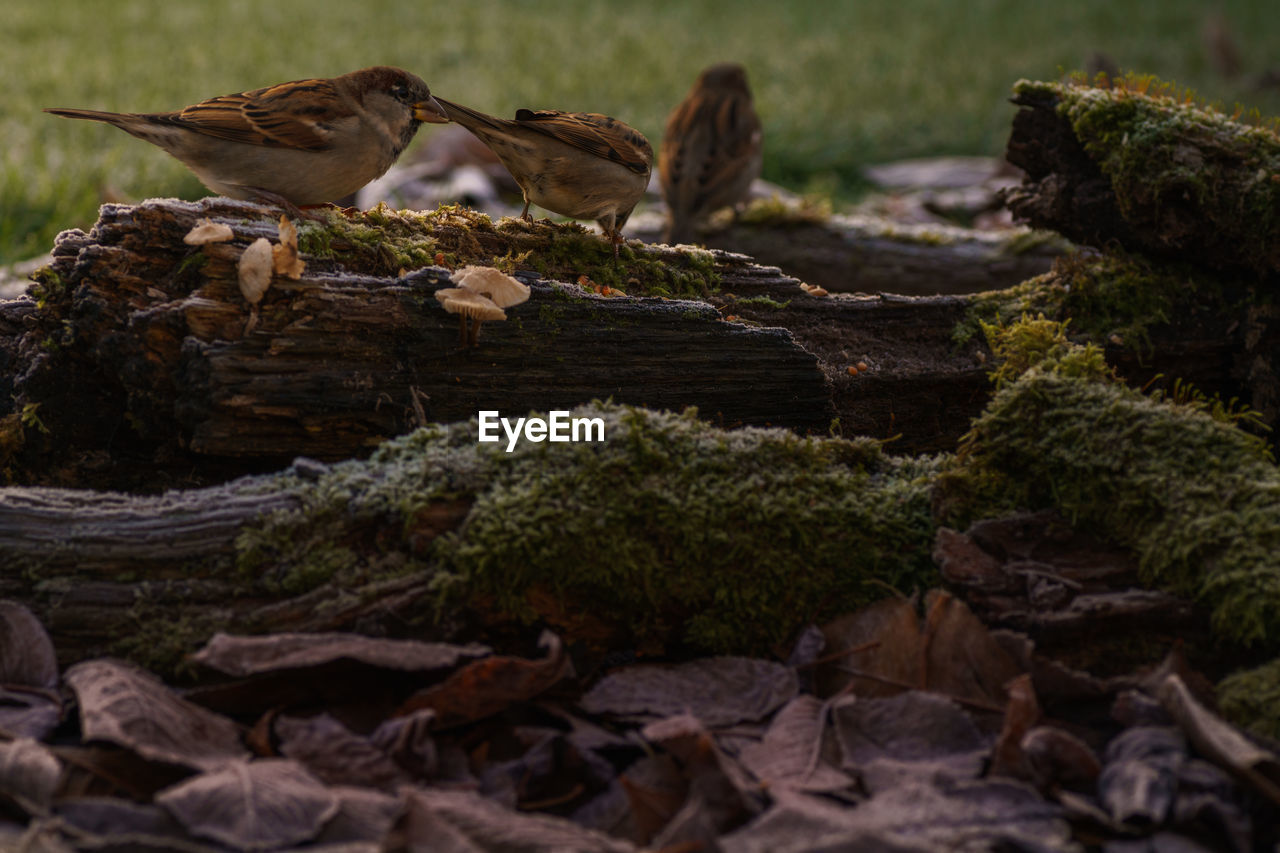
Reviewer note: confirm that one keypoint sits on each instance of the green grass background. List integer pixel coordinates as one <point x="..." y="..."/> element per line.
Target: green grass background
<point x="838" y="84"/>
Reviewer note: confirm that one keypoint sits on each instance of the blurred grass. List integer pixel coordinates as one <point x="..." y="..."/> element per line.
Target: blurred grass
<point x="838" y="84"/>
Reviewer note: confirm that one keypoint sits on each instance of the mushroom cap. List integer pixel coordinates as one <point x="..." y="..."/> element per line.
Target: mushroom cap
<point x="501" y="288"/>
<point x="254" y="270"/>
<point x="468" y="303"/>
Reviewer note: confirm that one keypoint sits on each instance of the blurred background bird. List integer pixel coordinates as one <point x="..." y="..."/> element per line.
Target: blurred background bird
<point x="712" y="149"/>
<point x="580" y="165"/>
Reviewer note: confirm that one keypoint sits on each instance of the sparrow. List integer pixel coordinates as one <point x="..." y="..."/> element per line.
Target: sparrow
<point x="580" y="165"/>
<point x="711" y="149"/>
<point x="306" y="142"/>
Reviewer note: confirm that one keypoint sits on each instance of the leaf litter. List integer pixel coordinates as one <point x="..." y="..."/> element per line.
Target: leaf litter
<point x="910" y="725"/>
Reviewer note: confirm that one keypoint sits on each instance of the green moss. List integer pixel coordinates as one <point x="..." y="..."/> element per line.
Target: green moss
<point x="1251" y="699"/>
<point x="1042" y="344"/>
<point x="1111" y="297"/>
<point x="671" y="528"/>
<point x="774" y="212"/>
<point x="760" y="302"/>
<point x="1197" y="499"/>
<point x="1033" y="240"/>
<point x="1159" y="148"/>
<point x="384" y="242"/>
<point x="47" y="287"/>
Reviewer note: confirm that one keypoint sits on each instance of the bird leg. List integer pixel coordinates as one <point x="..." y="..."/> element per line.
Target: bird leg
<point x="290" y="209"/>
<point x="524" y="214"/>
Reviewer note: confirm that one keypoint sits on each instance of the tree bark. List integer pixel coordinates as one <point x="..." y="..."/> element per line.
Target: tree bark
<point x="848" y="254"/>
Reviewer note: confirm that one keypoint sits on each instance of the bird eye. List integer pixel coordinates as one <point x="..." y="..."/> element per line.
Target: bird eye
<point x="401" y="91"/>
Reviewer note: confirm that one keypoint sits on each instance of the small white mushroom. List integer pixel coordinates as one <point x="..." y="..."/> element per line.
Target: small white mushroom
<point x="208" y="231"/>
<point x="469" y="305"/>
<point x="284" y="256"/>
<point x="254" y="270"/>
<point x="501" y="288"/>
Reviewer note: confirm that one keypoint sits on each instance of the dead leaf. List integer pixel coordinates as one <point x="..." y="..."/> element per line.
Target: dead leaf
<point x="284" y="255"/>
<point x="254" y="270"/>
<point x="791" y="754"/>
<point x="1022" y="712"/>
<point x="1219" y="742"/>
<point x="1139" y="781"/>
<point x="363" y="817"/>
<point x="718" y="691"/>
<point x="656" y="789"/>
<point x="486" y="687"/>
<point x="335" y="754"/>
<point x="1057" y="759"/>
<point x="29" y="711"/>
<point x="443" y="820"/>
<point x="875" y="651"/>
<point x="29" y="775"/>
<point x="963" y="661"/>
<point x="124" y="705"/>
<point x="26" y="652"/>
<point x="252" y="805"/>
<point x="408" y="742"/>
<point x="243" y="656"/>
<point x="207" y="231"/>
<point x="915" y="735"/>
<point x="721" y="793"/>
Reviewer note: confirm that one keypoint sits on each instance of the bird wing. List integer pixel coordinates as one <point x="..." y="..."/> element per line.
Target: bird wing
<point x="596" y="134"/>
<point x="298" y="115"/>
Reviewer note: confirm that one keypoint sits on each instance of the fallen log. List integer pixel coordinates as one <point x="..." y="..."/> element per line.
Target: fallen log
<point x="626" y="541"/>
<point x="1133" y="164"/>
<point x="144" y="343"/>
<point x="847" y="254"/>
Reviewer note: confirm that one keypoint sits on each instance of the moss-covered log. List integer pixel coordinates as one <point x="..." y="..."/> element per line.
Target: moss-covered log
<point x="668" y="531"/>
<point x="1131" y="163"/>
<point x="143" y="343"/>
<point x="847" y="254"/>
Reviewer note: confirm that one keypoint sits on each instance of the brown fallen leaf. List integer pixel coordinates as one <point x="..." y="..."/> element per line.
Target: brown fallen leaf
<point x="26" y="652"/>
<point x="252" y="805"/>
<point x="335" y="754"/>
<point x="1020" y="715"/>
<point x="486" y="687"/>
<point x="29" y="775"/>
<point x="124" y="705"/>
<point x="1218" y="741"/>
<point x="717" y="691"/>
<point x="790" y="754"/>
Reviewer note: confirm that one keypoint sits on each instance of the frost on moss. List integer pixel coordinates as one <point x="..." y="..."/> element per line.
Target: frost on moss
<point x="670" y="529"/>
<point x="1107" y="297"/>
<point x="1195" y="497"/>
<point x="1251" y="699"/>
<point x="1160" y="150"/>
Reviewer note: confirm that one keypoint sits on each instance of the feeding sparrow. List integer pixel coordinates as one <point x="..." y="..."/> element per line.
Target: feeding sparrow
<point x="299" y="143"/>
<point x="581" y="165"/>
<point x="711" y="149"/>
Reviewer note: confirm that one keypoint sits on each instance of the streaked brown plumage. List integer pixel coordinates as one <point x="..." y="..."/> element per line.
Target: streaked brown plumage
<point x="712" y="149"/>
<point x="581" y="165"/>
<point x="302" y="142"/>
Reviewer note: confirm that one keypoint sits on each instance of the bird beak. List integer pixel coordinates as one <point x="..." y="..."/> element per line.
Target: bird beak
<point x="430" y="111"/>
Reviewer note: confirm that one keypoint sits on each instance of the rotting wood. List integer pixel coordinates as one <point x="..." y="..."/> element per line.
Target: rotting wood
<point x="847" y="254"/>
<point x="151" y="349"/>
